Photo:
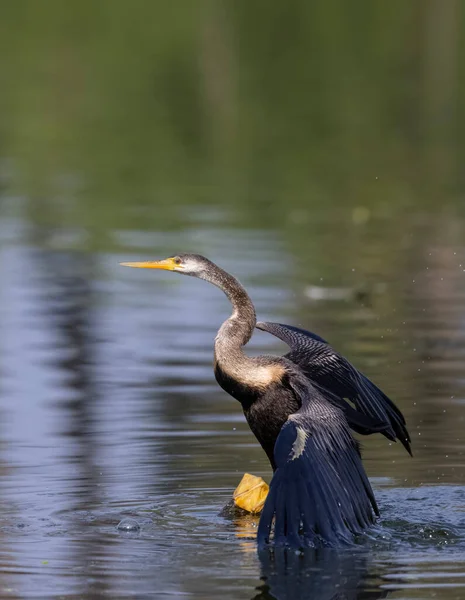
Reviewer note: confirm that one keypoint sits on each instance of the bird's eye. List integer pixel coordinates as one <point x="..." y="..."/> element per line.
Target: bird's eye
<point x="177" y="260"/>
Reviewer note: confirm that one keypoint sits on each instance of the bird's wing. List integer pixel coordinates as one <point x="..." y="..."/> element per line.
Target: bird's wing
<point x="319" y="494"/>
<point x="323" y="365"/>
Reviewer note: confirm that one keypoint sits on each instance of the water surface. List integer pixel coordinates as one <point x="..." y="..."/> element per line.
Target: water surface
<point x="110" y="410"/>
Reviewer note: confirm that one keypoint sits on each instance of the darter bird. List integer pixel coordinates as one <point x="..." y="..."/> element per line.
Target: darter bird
<point x="297" y="409"/>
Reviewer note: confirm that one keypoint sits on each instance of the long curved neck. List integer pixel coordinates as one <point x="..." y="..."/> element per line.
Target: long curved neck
<point x="237" y="330"/>
<point x="237" y="373"/>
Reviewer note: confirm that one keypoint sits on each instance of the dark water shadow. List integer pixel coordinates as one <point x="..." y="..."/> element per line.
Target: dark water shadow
<point x="325" y="574"/>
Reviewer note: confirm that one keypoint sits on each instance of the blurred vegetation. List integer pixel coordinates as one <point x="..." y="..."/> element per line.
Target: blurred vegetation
<point x="116" y="114"/>
<point x="338" y="126"/>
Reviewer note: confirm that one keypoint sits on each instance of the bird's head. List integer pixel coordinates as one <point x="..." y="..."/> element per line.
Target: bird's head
<point x="186" y="264"/>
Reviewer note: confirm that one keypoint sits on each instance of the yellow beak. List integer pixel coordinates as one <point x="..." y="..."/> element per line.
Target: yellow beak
<point x="167" y="264"/>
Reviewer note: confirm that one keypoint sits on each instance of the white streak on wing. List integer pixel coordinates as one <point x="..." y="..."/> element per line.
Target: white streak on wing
<point x="298" y="446"/>
<point x="331" y="358"/>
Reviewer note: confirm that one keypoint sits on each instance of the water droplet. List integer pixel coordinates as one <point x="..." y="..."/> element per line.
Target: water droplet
<point x="128" y="524"/>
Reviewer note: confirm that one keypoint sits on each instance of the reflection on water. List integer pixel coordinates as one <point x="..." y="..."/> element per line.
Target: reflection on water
<point x="322" y="574"/>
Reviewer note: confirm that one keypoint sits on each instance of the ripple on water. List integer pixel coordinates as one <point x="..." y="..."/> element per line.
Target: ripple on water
<point x="419" y="542"/>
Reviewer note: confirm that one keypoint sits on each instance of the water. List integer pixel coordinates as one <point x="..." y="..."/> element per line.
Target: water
<point x="314" y="151"/>
<point x="110" y="411"/>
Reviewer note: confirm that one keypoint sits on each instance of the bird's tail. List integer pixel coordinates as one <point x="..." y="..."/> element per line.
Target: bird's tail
<point x="319" y="495"/>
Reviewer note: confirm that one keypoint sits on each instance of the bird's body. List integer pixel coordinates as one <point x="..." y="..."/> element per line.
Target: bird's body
<point x="266" y="407"/>
<point x="295" y="406"/>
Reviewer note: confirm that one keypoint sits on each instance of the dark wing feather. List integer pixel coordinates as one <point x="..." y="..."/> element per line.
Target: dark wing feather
<point x="289" y="333"/>
<point x="319" y="494"/>
<point x="326" y="367"/>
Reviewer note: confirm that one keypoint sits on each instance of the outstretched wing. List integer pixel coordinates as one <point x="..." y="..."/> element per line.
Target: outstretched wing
<point x="323" y="365"/>
<point x="319" y="494"/>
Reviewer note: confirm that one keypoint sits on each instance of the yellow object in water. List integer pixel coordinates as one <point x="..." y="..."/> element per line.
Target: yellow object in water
<point x="251" y="493"/>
